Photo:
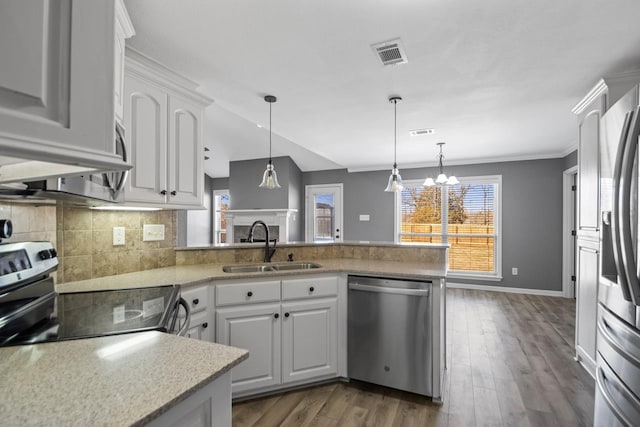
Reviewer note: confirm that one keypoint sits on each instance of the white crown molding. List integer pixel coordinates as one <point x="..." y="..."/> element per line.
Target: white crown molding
<point x="464" y="162"/>
<point x="573" y="147"/>
<point x="505" y="289"/>
<point x="124" y="20"/>
<point x="146" y="68"/>
<point x="596" y="91"/>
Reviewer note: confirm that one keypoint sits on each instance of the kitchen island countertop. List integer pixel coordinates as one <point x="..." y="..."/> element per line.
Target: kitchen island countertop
<point x="188" y="275"/>
<point x="123" y="380"/>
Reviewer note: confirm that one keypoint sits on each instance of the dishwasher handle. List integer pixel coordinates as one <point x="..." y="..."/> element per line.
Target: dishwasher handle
<point x="387" y="290"/>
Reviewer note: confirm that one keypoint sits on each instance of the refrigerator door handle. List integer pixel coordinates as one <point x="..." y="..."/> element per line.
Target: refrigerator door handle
<point x="624" y="207"/>
<point x="615" y="214"/>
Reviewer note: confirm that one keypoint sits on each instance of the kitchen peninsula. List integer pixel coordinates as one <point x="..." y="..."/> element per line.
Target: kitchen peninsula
<point x="265" y="297"/>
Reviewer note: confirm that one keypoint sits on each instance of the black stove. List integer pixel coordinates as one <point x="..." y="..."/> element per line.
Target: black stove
<point x="31" y="311"/>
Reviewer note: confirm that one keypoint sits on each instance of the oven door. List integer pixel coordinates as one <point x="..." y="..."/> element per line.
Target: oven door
<point x="26" y="306"/>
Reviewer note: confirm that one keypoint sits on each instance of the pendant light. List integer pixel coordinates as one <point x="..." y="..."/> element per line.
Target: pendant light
<point x="269" y="178"/>
<point x="442" y="178"/>
<point x="395" y="180"/>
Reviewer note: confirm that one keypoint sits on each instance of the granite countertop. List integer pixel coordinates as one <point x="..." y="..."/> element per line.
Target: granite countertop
<point x="188" y="275"/>
<point x="123" y="380"/>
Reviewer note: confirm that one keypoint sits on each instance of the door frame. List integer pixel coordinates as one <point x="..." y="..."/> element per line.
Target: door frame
<point x="568" y="218"/>
<point x="340" y="218"/>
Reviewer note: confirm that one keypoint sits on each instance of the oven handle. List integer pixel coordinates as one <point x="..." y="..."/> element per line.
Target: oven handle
<point x="185" y="327"/>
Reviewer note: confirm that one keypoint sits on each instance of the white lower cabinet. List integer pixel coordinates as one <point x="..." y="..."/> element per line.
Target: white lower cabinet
<point x="309" y="339"/>
<point x="290" y="340"/>
<point x="587" y="303"/>
<point x="202" y="322"/>
<point x="255" y="328"/>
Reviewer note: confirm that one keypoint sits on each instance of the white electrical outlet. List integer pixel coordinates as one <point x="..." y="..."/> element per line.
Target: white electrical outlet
<point x="118" y="236"/>
<point x="118" y="314"/>
<point x="152" y="232"/>
<point x="152" y="307"/>
<point x="514" y="271"/>
<point x="365" y="217"/>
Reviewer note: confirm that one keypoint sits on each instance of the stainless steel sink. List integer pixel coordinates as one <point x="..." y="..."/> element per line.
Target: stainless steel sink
<point x="261" y="268"/>
<point x="246" y="268"/>
<point x="295" y="266"/>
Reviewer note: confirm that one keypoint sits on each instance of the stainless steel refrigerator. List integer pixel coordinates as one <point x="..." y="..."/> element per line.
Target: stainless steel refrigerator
<point x="617" y="400"/>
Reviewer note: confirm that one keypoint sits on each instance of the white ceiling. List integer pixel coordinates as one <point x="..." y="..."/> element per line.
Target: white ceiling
<point x="496" y="78"/>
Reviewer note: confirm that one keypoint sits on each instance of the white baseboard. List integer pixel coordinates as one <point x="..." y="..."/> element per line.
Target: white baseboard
<point x="505" y="289"/>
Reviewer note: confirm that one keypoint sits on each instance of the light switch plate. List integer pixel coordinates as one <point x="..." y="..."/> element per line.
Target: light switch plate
<point x="118" y="314"/>
<point x="118" y="236"/>
<point x="365" y="217"/>
<point x="152" y="232"/>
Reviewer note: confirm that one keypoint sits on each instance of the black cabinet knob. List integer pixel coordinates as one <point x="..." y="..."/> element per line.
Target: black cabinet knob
<point x="276" y="315"/>
<point x="286" y="315"/>
<point x="174" y="192"/>
<point x="204" y="325"/>
<point x="163" y="192"/>
<point x="196" y="301"/>
<point x="249" y="294"/>
<point x="311" y="289"/>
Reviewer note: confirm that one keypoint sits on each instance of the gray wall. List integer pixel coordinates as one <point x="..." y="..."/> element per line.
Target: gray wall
<point x="571" y="160"/>
<point x="531" y="214"/>
<point x="219" y="183"/>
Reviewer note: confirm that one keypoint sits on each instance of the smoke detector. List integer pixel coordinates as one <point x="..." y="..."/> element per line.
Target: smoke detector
<point x="420" y="132"/>
<point x="390" y="52"/>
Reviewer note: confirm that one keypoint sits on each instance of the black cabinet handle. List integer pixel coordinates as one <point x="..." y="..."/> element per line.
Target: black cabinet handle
<point x="286" y="315"/>
<point x="276" y="315"/>
<point x="196" y="301"/>
<point x="249" y="294"/>
<point x="163" y="192"/>
<point x="174" y="192"/>
<point x="311" y="289"/>
<point x="204" y="325"/>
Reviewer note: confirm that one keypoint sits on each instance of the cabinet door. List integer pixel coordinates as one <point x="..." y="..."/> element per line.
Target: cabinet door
<point x="257" y="329"/>
<point x="145" y="121"/>
<point x="589" y="170"/>
<point x="309" y="339"/>
<point x="200" y="327"/>
<point x="57" y="82"/>
<point x="587" y="303"/>
<point x="186" y="152"/>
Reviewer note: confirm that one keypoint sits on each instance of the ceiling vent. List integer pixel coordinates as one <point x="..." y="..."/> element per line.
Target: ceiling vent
<point x="390" y="52"/>
<point x="419" y="132"/>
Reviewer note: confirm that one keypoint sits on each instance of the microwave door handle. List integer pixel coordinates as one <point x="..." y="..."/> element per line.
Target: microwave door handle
<point x="615" y="210"/>
<point x="120" y="139"/>
<point x="624" y="203"/>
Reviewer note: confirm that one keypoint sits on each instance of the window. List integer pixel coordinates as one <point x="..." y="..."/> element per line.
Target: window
<point x="221" y="203"/>
<point x="467" y="216"/>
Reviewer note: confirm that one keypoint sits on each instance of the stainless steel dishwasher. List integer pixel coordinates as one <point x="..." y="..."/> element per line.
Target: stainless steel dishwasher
<point x="389" y="333"/>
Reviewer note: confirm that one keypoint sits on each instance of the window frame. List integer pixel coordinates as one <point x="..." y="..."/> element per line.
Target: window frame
<point x="217" y="215"/>
<point x="496" y="275"/>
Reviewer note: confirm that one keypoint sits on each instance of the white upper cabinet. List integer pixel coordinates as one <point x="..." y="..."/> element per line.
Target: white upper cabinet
<point x="57" y="86"/>
<point x="163" y="115"/>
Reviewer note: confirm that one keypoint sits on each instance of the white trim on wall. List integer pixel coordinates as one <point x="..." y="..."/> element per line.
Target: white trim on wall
<point x="527" y="291"/>
<point x="568" y="208"/>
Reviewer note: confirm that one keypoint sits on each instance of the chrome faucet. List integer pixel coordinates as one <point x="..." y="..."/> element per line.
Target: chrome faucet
<point x="268" y="252"/>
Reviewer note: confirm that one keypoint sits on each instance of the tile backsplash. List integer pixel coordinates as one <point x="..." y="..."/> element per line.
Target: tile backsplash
<point x="84" y="237"/>
<point x="85" y="243"/>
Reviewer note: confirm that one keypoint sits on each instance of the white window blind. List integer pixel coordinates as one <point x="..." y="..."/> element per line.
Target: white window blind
<point x="465" y="215"/>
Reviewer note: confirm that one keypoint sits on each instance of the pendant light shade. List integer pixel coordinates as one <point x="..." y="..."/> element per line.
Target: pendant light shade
<point x="442" y="178"/>
<point x="269" y="177"/>
<point x="395" y="180"/>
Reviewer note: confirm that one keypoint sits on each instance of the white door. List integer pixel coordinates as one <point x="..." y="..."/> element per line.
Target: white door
<point x="255" y="328"/>
<point x="323" y="213"/>
<point x="309" y="339"/>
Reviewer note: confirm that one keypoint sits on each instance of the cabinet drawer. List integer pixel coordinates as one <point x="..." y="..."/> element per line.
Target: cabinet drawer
<point x="248" y="293"/>
<point x="309" y="287"/>
<point x="197" y="298"/>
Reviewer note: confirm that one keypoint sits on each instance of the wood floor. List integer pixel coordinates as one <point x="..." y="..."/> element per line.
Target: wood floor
<point x="510" y="363"/>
